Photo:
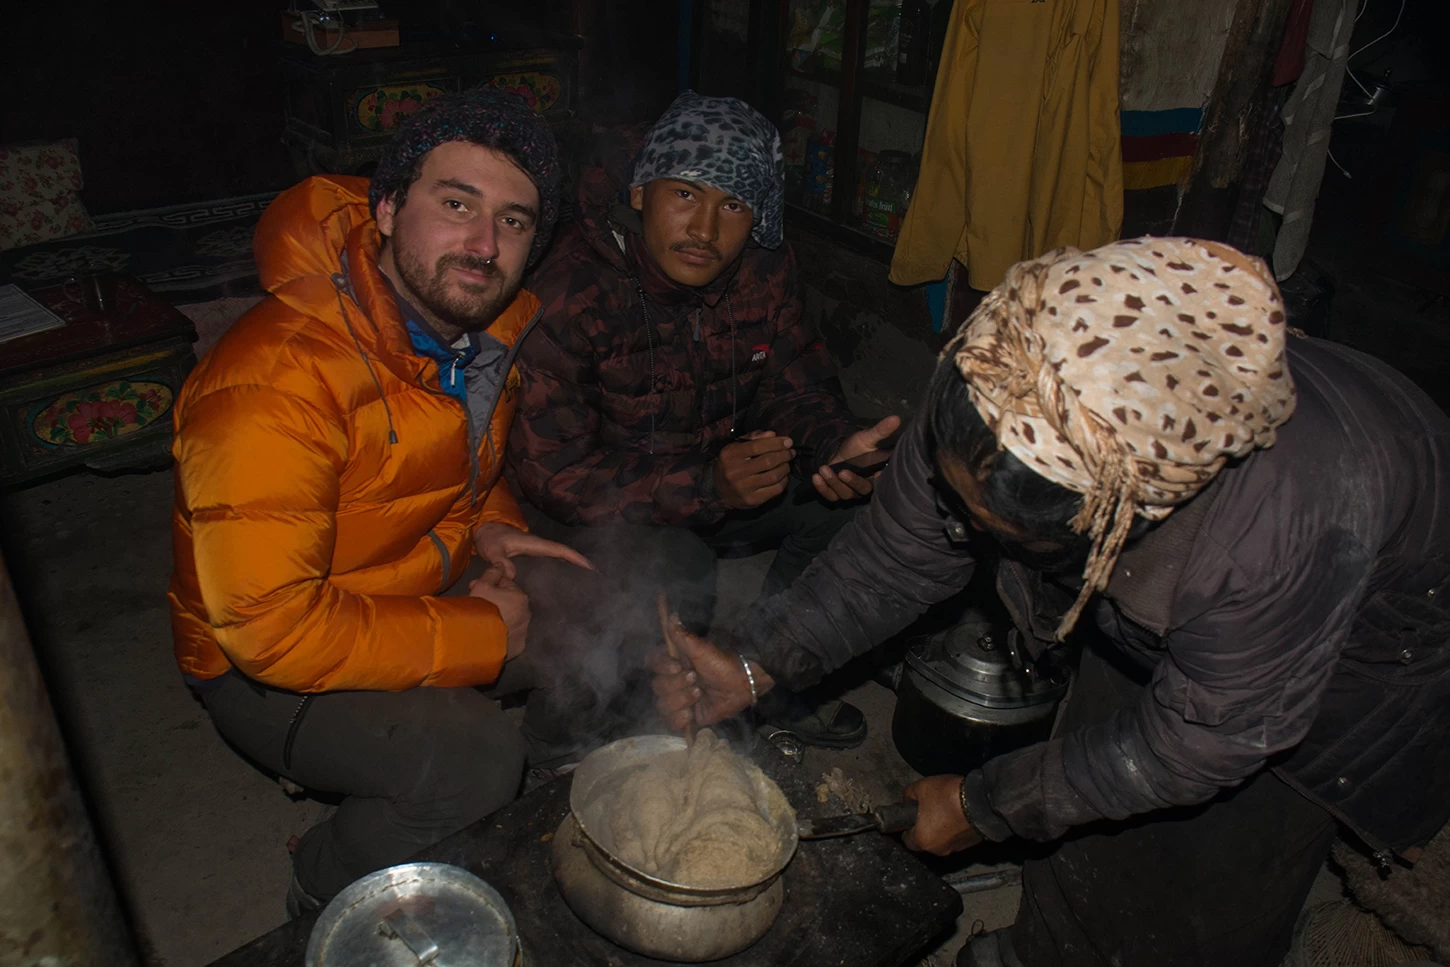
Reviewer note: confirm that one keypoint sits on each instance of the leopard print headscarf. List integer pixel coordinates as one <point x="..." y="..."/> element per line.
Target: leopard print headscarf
<point x="1129" y="374"/>
<point x="725" y="144"/>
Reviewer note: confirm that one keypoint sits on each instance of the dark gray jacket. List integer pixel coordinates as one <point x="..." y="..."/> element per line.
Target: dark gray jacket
<point x="1294" y="615"/>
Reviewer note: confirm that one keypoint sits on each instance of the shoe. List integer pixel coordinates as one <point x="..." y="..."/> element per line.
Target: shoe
<point x="889" y="674"/>
<point x="829" y="725"/>
<point x="541" y="775"/>
<point x="300" y="902"/>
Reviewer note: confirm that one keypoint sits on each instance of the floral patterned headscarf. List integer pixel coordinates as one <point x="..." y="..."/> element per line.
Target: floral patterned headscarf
<point x="1129" y="374"/>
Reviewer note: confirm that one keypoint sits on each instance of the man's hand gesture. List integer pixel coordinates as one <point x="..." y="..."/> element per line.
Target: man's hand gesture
<point x="752" y="471"/>
<point x="513" y="605"/>
<point x="497" y="543"/>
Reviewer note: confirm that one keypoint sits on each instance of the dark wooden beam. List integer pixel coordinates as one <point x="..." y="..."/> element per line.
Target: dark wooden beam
<point x="1206" y="210"/>
<point x="848" y="114"/>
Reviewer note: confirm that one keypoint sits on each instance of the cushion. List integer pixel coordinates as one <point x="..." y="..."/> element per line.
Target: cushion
<point x="40" y="193"/>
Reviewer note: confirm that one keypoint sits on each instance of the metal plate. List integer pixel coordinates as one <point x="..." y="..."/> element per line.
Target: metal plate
<point x="396" y="916"/>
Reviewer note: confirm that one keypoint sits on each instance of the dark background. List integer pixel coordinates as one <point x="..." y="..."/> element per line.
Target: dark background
<point x="182" y="101"/>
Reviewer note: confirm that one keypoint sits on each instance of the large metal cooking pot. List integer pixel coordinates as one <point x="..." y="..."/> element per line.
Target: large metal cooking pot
<point x="644" y="913"/>
<point x="967" y="694"/>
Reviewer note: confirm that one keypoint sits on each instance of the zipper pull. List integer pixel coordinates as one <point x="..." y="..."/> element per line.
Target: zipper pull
<point x="453" y="372"/>
<point x="697" y="324"/>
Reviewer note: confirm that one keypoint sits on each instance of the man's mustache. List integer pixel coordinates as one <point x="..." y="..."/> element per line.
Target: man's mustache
<point x="708" y="251"/>
<point x="470" y="263"/>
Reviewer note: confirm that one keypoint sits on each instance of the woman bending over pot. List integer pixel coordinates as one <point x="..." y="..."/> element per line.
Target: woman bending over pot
<point x="1257" y="525"/>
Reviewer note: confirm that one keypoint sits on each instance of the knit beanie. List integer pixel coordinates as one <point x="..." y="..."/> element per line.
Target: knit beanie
<point x="486" y="117"/>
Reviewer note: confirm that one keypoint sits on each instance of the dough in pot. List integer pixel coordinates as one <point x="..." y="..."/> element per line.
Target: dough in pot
<point x="696" y="817"/>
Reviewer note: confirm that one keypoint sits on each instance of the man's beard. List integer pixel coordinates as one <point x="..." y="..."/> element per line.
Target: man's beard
<point x="471" y="307"/>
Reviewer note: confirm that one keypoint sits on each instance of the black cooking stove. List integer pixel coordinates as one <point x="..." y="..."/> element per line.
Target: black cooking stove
<point x="855" y="901"/>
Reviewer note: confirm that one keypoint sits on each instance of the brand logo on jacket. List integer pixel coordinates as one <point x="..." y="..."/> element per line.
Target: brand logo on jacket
<point x="759" y="353"/>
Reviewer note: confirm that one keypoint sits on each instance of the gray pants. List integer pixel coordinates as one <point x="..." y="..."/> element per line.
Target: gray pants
<point x="413" y="767"/>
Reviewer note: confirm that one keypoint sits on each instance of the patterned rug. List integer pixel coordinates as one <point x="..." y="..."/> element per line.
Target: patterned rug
<point x="187" y="253"/>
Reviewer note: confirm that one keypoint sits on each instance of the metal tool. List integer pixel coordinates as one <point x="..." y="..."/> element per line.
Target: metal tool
<point x="887" y="819"/>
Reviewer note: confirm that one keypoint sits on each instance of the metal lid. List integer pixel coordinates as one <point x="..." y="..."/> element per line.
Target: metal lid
<point x="975" y="661"/>
<point x="417" y="913"/>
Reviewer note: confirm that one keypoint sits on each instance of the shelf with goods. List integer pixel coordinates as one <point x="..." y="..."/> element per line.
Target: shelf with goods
<point x="842" y="61"/>
<point x="831" y="74"/>
<point x="879" y="85"/>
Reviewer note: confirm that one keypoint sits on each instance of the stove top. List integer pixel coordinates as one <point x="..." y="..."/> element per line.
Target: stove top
<point x="854" y="901"/>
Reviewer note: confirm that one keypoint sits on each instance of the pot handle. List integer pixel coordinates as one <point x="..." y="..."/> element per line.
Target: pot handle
<point x="400" y="926"/>
<point x="896" y="817"/>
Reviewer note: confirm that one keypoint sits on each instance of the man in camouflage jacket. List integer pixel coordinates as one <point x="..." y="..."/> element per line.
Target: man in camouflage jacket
<point x="673" y="382"/>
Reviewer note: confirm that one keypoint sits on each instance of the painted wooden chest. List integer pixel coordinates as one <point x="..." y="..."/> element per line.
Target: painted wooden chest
<point x="97" y="392"/>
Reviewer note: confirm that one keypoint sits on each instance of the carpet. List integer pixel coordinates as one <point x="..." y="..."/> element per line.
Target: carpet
<point x="212" y="319"/>
<point x="185" y="253"/>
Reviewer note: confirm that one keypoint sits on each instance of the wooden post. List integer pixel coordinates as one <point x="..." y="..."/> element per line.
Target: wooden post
<point x="57" y="905"/>
<point x="1206" y="210"/>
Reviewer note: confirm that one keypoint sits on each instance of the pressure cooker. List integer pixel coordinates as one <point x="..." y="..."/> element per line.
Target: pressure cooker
<point x="970" y="692"/>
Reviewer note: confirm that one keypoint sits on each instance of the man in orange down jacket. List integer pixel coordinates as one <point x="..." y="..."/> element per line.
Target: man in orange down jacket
<point x="337" y="463"/>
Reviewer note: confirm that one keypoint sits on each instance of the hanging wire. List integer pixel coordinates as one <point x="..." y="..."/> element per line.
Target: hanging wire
<point x="1382" y="36"/>
<point x="1342" y="169"/>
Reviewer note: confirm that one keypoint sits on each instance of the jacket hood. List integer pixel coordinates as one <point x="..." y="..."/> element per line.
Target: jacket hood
<point x="602" y="196"/>
<point x="301" y="237"/>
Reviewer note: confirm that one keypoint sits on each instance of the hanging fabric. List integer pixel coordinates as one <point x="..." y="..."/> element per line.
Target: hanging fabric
<point x="1308" y="123"/>
<point x="1022" y="150"/>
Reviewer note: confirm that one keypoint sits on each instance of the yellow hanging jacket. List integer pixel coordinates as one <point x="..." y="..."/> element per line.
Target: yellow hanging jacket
<point x="1022" y="144"/>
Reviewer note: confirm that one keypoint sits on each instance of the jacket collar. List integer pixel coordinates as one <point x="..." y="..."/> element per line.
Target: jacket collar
<point x="1145" y="579"/>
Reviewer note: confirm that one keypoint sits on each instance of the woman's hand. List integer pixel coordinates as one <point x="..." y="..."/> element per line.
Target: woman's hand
<point x="705" y="683"/>
<point x="941" y="825"/>
<point x="497" y="543"/>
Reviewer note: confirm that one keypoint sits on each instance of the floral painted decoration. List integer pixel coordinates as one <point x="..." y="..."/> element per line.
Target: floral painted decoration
<point x="101" y="413"/>
<point x="387" y="107"/>
<point x="539" y="91"/>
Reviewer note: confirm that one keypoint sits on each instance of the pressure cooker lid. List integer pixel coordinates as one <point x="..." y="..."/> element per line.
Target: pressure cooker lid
<point x="417" y="913"/>
<point x="975" y="661"/>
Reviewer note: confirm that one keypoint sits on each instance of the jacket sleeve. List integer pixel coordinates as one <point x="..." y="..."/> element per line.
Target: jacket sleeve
<point x="564" y="468"/>
<point x="501" y="507"/>
<point x="1241" y="681"/>
<point x="799" y="395"/>
<point x="259" y="470"/>
<point x="882" y="572"/>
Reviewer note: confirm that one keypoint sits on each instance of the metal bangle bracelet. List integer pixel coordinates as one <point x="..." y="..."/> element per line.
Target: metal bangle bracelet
<point x="750" y="677"/>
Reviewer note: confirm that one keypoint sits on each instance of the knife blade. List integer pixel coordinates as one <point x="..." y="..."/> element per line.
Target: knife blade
<point x="887" y="819"/>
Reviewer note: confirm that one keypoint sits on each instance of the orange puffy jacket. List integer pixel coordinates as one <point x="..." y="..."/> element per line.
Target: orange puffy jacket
<point x="325" y="488"/>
